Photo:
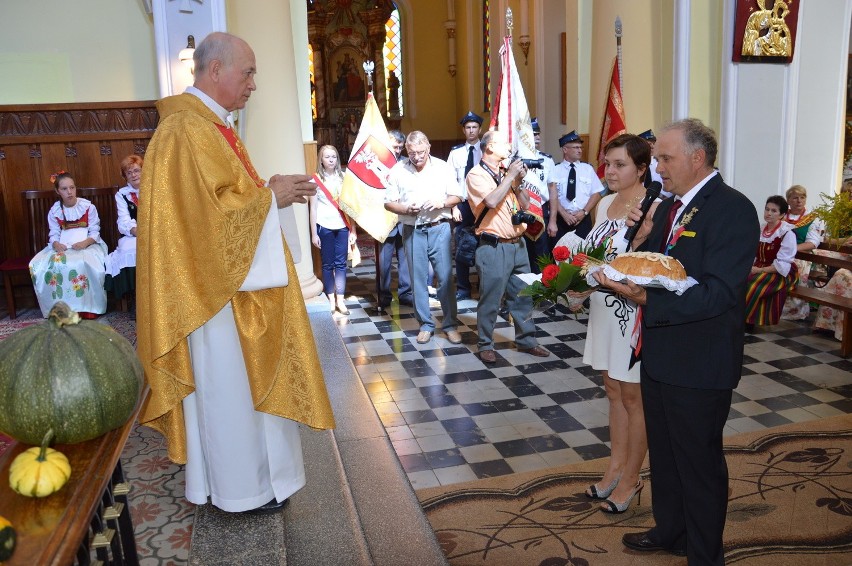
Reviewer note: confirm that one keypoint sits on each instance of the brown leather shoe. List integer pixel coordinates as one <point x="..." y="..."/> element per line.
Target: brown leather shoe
<point x="488" y="356"/>
<point x="536" y="351"/>
<point x="454" y="337"/>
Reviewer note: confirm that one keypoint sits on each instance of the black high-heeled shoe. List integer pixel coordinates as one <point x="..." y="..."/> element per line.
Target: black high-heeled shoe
<point x="610" y="506"/>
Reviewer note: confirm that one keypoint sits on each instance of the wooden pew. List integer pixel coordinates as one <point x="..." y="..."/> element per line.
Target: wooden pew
<point x="815" y="295"/>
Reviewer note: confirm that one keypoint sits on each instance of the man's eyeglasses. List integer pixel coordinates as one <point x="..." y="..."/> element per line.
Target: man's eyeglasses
<point x="421" y="153"/>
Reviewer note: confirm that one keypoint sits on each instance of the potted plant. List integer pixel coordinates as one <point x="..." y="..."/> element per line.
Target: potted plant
<point x="836" y="212"/>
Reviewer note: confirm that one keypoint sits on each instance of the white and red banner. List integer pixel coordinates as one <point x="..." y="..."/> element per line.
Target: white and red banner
<point x="614" y="123"/>
<point x="362" y="196"/>
<point x="512" y="116"/>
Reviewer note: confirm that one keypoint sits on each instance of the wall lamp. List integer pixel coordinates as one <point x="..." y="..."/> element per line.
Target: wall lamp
<point x="186" y="54"/>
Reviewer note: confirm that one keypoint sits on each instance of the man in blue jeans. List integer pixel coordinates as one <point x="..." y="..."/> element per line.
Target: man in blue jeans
<point x="391" y="247"/>
<point x="422" y="190"/>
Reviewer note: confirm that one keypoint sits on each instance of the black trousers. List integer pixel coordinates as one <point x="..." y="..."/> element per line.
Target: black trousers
<point x="688" y="468"/>
<point x="582" y="229"/>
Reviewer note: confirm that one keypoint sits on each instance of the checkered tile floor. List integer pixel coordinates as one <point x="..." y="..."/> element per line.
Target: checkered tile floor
<point x="451" y="418"/>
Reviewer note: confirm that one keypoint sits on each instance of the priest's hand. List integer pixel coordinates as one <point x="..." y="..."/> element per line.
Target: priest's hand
<point x="289" y="189"/>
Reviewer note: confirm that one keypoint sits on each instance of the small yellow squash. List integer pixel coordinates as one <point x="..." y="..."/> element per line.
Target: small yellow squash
<point x="39" y="471"/>
<point x="7" y="539"/>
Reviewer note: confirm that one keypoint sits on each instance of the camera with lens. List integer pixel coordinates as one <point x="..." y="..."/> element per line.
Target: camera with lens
<point x="522" y="217"/>
<point x="530" y="163"/>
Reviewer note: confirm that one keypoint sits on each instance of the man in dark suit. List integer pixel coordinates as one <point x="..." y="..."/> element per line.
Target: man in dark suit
<point x="692" y="345"/>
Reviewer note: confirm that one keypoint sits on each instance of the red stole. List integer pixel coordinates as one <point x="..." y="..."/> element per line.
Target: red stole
<point x="238" y="147"/>
<point x="82" y="222"/>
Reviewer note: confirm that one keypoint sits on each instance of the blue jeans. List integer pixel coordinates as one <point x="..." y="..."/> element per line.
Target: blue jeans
<point x="425" y="247"/>
<point x="334" y="251"/>
<point x="391" y="247"/>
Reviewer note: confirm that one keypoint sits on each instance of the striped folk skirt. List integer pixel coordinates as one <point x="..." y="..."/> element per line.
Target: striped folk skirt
<point x="766" y="294"/>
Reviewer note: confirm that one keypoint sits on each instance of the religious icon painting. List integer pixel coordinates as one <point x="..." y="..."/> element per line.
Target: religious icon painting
<point x="765" y="31"/>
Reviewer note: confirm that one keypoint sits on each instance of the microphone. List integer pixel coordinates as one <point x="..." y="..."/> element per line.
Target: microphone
<point x="650" y="196"/>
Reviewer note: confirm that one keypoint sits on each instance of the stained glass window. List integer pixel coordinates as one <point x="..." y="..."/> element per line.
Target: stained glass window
<point x="392" y="52"/>
<point x="486" y="33"/>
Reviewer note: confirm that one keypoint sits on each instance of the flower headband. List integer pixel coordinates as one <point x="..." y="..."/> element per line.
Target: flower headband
<point x="57" y="174"/>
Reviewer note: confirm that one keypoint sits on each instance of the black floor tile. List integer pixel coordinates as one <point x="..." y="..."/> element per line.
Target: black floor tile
<point x="459" y="425"/>
<point x="491" y="469"/>
<point x="416" y="417"/>
<point x="472" y="437"/>
<point x="564" y="424"/>
<point x="438" y="401"/>
<point x="592" y="451"/>
<point x="771" y="419"/>
<point x="414" y="463"/>
<point x="508" y="405"/>
<point x="485" y="408"/>
<point x="550" y="413"/>
<point x="547" y="443"/>
<point x="510" y="448"/>
<point x="526" y="390"/>
<point x="565" y="397"/>
<point x="445" y="458"/>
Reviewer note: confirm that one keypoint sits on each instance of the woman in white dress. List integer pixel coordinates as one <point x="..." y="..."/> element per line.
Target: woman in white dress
<point x="611" y="322"/>
<point x="121" y="263"/>
<point x="71" y="267"/>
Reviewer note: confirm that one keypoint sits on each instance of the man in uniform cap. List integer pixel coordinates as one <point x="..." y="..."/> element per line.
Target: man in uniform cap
<point x="462" y="159"/>
<point x="576" y="190"/>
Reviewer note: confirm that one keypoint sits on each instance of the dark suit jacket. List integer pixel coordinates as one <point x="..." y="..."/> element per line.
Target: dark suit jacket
<point x="696" y="340"/>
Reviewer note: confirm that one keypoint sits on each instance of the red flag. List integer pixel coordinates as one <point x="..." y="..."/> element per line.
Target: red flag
<point x="614" y="123"/>
<point x="513" y="117"/>
<point x="362" y="196"/>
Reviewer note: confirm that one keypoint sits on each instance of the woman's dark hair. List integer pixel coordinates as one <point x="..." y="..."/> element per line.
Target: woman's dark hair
<point x="637" y="149"/>
<point x="780" y="201"/>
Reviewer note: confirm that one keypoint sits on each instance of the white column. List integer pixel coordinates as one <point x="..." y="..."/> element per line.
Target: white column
<point x="680" y="74"/>
<point x="273" y="116"/>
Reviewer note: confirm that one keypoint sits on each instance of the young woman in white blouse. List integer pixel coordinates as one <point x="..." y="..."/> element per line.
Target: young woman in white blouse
<point x="331" y="230"/>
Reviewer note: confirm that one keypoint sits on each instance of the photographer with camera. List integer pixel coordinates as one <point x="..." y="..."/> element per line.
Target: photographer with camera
<point x="495" y="185"/>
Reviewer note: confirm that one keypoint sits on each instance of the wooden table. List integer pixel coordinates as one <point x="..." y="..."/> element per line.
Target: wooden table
<point x="839" y="260"/>
<point x="90" y="512"/>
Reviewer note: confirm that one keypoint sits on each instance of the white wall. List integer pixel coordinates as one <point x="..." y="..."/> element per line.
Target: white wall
<point x="61" y="51"/>
<point x="785" y="123"/>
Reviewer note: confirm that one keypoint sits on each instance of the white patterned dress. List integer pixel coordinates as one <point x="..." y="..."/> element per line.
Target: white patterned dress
<point x="611" y="317"/>
<point x="73" y="276"/>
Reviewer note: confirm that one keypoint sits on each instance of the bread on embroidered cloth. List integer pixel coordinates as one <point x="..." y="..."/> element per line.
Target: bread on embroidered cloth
<point x="649" y="264"/>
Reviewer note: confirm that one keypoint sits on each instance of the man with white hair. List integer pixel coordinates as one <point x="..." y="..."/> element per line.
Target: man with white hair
<point x="422" y="191"/>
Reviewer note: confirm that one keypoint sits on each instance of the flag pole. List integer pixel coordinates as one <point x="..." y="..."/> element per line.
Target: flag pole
<point x="619" y="55"/>
<point x="368" y="70"/>
<point x="510" y="21"/>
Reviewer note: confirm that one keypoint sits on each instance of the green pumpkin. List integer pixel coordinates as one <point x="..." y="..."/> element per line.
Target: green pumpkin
<point x="77" y="377"/>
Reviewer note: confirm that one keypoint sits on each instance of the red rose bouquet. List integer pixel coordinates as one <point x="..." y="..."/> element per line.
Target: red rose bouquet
<point x="564" y="271"/>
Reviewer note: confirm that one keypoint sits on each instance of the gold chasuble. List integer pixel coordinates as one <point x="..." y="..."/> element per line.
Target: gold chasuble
<point x="201" y="212"/>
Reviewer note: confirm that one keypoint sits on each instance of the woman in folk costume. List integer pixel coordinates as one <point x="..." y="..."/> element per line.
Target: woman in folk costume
<point x="774" y="273"/>
<point x="809" y="231"/>
<point x="121" y="263"/>
<point x="331" y="230"/>
<point x="612" y="319"/>
<point x="71" y="267"/>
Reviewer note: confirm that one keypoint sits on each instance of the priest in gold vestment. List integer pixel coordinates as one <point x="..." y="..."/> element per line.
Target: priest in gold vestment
<point x="223" y="333"/>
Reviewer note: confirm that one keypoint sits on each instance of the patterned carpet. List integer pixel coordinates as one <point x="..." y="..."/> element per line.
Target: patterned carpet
<point x="790" y="503"/>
